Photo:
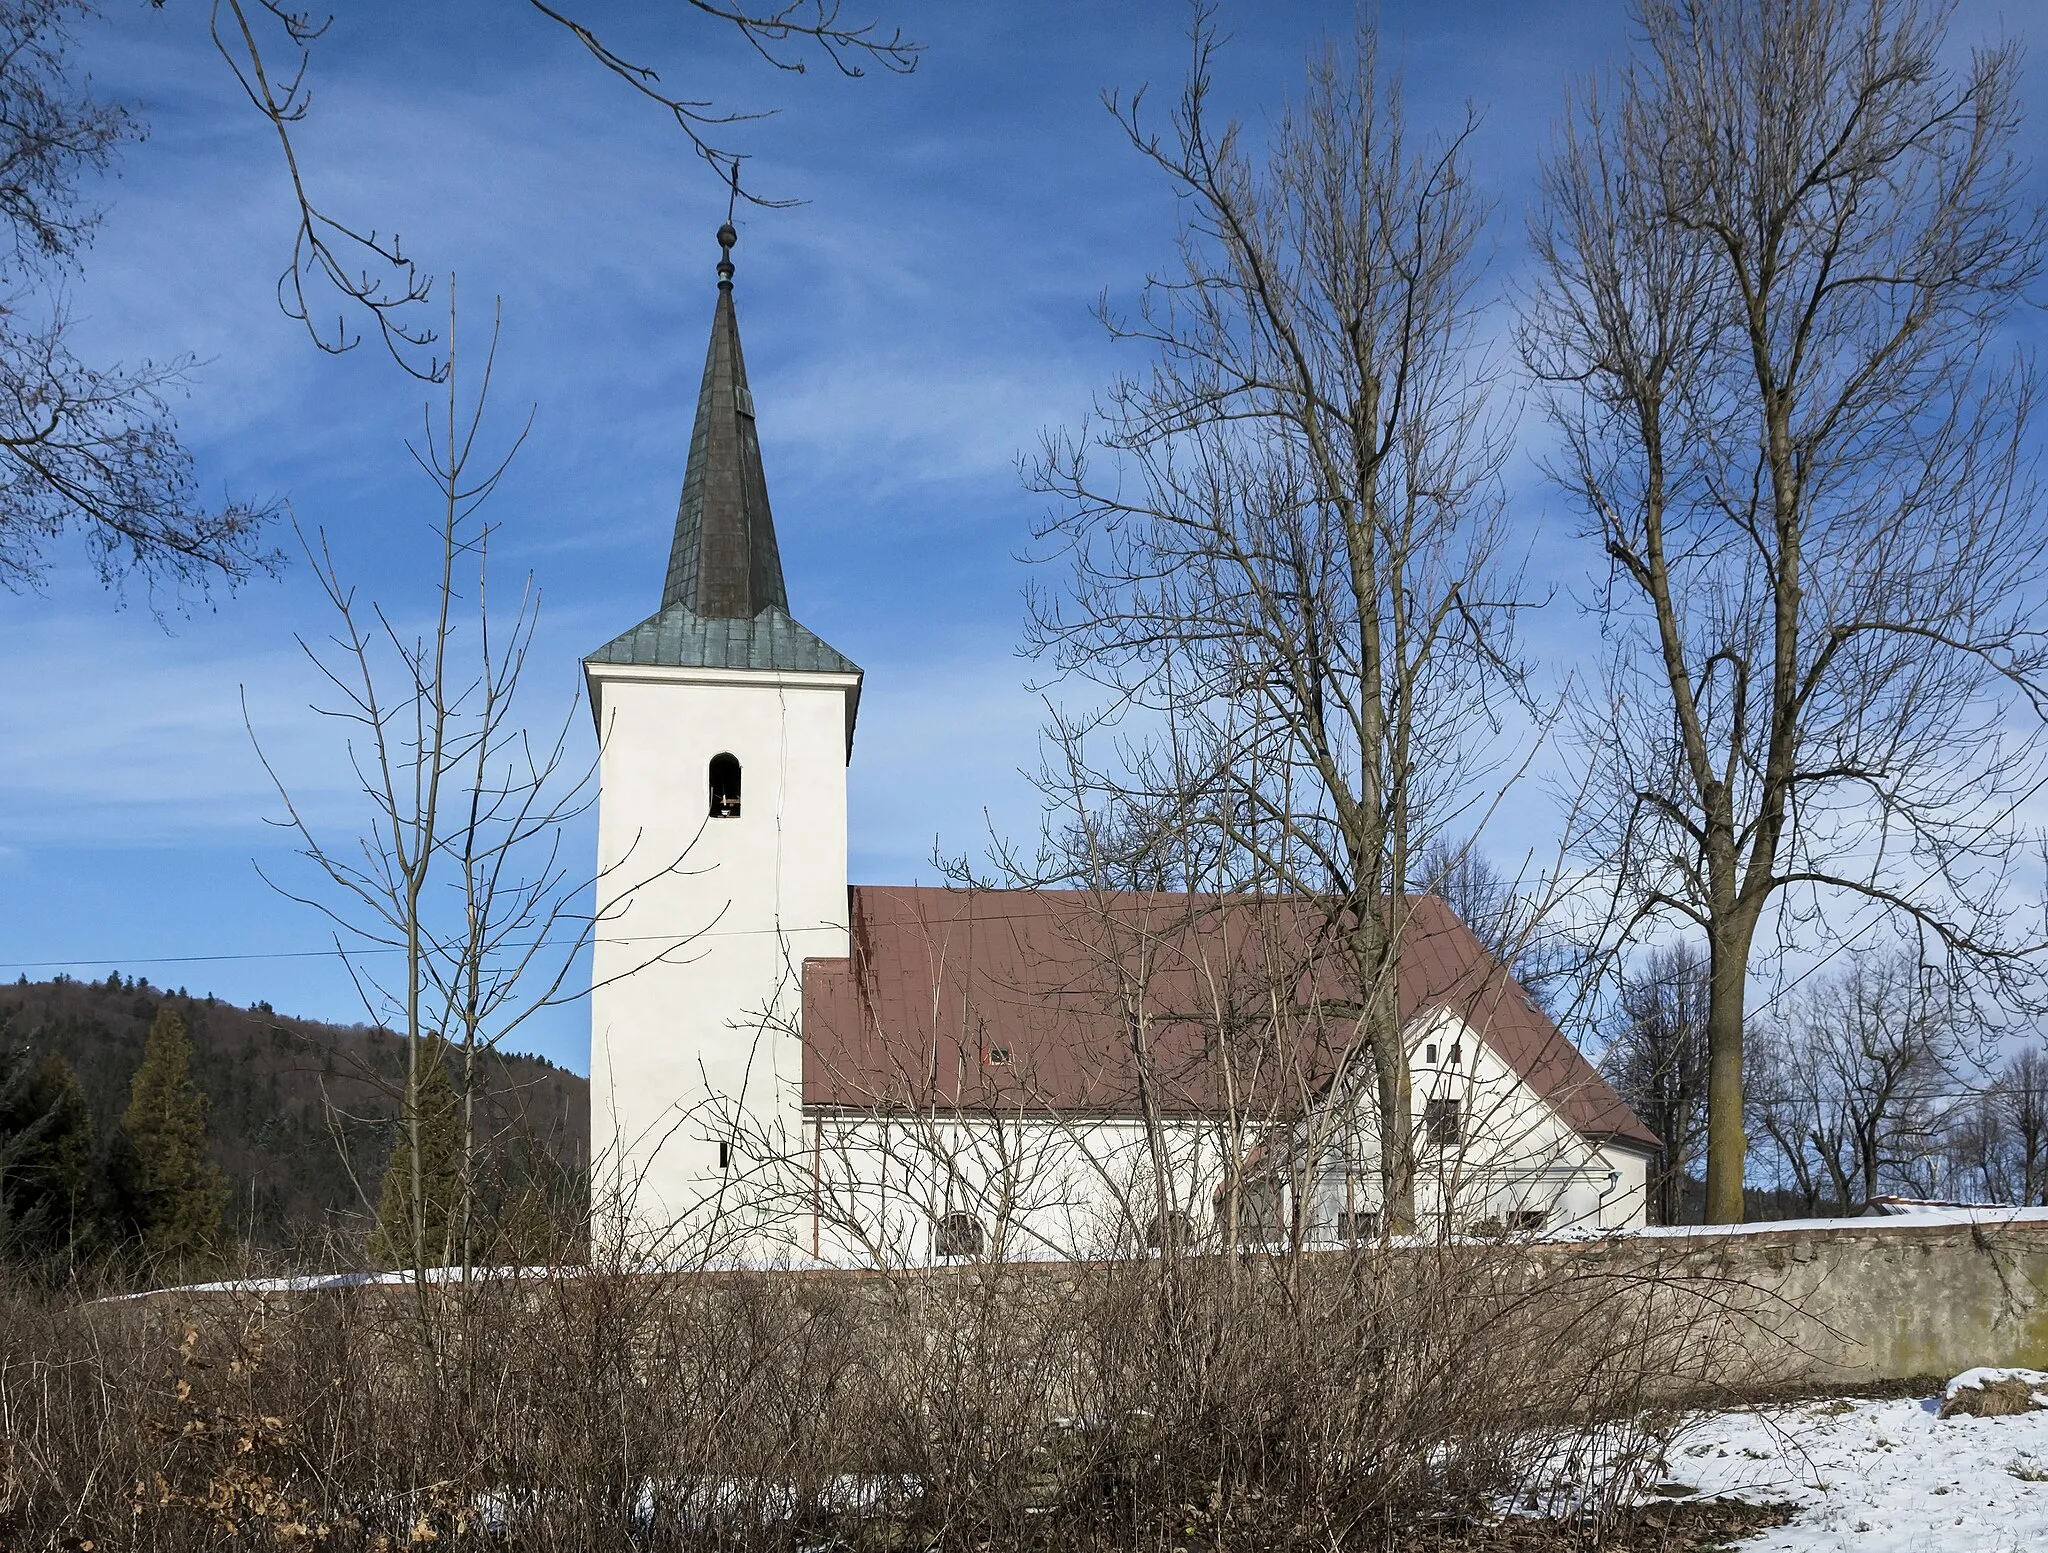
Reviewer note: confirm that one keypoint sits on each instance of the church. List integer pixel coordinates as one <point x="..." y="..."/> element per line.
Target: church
<point x="788" y="1068"/>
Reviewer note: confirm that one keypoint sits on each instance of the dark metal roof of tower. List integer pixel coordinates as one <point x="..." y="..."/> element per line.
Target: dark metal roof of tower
<point x="723" y="564"/>
<point x="723" y="604"/>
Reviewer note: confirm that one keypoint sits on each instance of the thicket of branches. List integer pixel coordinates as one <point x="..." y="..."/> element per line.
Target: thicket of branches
<point x="1141" y="1404"/>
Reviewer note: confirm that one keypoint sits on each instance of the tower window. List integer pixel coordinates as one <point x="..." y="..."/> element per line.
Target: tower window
<point x="725" y="787"/>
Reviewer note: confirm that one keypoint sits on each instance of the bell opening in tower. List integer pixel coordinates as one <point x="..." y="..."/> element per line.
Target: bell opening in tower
<point x="725" y="787"/>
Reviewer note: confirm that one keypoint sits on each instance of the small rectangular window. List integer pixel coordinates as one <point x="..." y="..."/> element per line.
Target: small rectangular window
<point x="1429" y="1054"/>
<point x="958" y="1234"/>
<point x="1440" y="1123"/>
<point x="1457" y="1053"/>
<point x="725" y="1156"/>
<point x="1528" y="1220"/>
<point x="999" y="1056"/>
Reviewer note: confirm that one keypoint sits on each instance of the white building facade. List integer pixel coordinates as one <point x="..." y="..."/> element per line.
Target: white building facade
<point x="786" y="1067"/>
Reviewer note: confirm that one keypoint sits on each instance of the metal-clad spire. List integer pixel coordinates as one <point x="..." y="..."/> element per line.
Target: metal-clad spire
<point x="723" y="606"/>
<point x="724" y="564"/>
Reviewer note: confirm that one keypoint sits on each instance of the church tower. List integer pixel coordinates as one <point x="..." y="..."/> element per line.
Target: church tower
<point x="724" y="732"/>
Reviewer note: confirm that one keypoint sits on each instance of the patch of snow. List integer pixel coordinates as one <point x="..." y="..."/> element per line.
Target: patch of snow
<point x="1918" y="1219"/>
<point x="1876" y="1477"/>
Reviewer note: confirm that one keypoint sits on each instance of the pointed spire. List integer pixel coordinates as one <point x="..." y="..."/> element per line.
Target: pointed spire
<point x="724" y="564"/>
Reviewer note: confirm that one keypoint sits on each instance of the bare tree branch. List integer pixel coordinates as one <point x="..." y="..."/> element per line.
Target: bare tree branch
<point x="358" y="271"/>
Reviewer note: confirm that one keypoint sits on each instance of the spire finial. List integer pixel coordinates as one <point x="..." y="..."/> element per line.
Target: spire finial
<point x="726" y="235"/>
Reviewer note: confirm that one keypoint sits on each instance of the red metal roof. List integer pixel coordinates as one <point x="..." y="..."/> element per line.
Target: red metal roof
<point x="1039" y="1001"/>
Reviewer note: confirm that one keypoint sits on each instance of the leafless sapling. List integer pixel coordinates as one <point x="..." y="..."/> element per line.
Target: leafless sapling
<point x="453" y="906"/>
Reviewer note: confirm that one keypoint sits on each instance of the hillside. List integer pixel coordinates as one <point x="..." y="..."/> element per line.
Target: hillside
<point x="302" y="1111"/>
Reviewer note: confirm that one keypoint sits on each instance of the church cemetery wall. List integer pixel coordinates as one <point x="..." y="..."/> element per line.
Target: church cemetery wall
<point x="1804" y="1304"/>
<point x="1860" y="1301"/>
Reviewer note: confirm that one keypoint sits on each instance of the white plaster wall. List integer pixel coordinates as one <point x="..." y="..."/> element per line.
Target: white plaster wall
<point x="1517" y="1154"/>
<point x="873" y="1188"/>
<point x="704" y="927"/>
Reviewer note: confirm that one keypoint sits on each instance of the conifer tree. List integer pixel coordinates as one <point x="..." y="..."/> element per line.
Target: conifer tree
<point x="50" y="1199"/>
<point x="72" y="1183"/>
<point x="431" y="1235"/>
<point x="172" y="1191"/>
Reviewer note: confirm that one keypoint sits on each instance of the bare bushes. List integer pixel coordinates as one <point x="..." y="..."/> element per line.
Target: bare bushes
<point x="1338" y="1400"/>
<point x="563" y="1411"/>
<point x="1332" y="1401"/>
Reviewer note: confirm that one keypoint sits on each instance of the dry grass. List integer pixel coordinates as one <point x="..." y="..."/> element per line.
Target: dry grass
<point x="1993" y="1399"/>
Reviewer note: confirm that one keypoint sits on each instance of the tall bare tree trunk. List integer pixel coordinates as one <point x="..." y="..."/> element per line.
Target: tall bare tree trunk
<point x="1727" y="1143"/>
<point x="1778" y="252"/>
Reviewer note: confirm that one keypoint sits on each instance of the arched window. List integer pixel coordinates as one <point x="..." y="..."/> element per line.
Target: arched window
<point x="725" y="787"/>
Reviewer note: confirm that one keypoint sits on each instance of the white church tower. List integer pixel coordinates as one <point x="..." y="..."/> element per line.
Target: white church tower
<point x="724" y="728"/>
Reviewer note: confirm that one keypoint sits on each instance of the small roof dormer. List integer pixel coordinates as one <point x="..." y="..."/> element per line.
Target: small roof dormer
<point x="723" y="603"/>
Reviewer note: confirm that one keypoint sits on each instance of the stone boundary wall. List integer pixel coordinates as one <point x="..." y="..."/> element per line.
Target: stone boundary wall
<point x="1811" y="1303"/>
<point x="1857" y="1301"/>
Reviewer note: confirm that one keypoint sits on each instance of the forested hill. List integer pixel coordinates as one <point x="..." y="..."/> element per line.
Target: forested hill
<point x="302" y="1112"/>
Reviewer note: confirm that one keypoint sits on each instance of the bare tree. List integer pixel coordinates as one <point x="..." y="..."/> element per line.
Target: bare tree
<point x="1867" y="1070"/>
<point x="1656" y="1059"/>
<point x="2002" y="1144"/>
<point x="85" y="446"/>
<point x="1789" y="1125"/>
<point x="453" y="907"/>
<point x="361" y="273"/>
<point x="1509" y="919"/>
<point x="1283" y="577"/>
<point x="1776" y="258"/>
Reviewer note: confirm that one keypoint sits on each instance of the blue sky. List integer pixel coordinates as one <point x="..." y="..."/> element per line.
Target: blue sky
<point x="910" y="328"/>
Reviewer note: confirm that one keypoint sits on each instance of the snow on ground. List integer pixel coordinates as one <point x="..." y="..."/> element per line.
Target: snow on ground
<point x="1876" y="1477"/>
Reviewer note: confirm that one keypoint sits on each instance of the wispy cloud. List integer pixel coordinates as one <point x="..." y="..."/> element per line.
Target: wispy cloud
<point x="909" y="332"/>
